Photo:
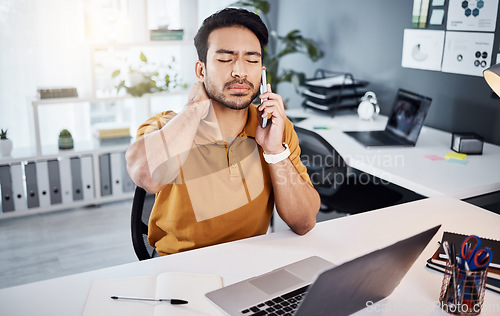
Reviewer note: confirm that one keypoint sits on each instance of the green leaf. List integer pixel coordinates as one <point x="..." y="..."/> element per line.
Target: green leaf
<point x="263" y="6"/>
<point x="120" y="86"/>
<point x="115" y="73"/>
<point x="293" y="34"/>
<point x="259" y="5"/>
<point x="143" y="57"/>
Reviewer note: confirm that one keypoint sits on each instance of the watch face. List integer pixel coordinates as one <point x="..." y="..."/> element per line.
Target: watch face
<point x="366" y="110"/>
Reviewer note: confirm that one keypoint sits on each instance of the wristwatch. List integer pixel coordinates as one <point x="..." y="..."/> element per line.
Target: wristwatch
<point x="278" y="157"/>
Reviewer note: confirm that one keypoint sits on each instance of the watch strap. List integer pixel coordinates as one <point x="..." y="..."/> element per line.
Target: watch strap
<point x="278" y="157"/>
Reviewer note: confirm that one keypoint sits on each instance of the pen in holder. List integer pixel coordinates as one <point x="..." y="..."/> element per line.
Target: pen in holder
<point x="462" y="291"/>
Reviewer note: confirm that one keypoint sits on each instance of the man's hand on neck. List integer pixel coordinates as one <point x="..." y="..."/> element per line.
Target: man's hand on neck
<point x="198" y="100"/>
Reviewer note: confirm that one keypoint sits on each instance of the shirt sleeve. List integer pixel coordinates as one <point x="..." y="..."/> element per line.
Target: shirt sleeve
<point x="154" y="123"/>
<point x="292" y="140"/>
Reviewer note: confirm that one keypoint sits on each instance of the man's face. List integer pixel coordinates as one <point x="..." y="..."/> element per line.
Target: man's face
<point x="233" y="67"/>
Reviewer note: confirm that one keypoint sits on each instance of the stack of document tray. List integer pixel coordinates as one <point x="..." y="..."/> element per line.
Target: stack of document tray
<point x="339" y="91"/>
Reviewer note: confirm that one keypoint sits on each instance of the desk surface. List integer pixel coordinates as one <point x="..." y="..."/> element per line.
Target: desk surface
<point x="410" y="167"/>
<point x="235" y="261"/>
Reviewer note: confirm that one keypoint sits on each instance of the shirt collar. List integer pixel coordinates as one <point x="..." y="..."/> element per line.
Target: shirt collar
<point x="248" y="130"/>
<point x="252" y="122"/>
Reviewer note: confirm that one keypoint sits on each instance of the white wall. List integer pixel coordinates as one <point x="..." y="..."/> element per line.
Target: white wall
<point x="42" y="44"/>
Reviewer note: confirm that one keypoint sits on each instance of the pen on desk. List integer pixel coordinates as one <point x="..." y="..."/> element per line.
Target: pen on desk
<point x="173" y="301"/>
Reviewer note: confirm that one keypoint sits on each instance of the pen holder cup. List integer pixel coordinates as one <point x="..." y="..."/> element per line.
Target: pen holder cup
<point x="462" y="292"/>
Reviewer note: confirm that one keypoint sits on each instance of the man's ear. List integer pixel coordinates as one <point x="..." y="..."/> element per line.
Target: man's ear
<point x="199" y="70"/>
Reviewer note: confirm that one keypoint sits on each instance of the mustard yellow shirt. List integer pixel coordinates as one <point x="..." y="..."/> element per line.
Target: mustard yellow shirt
<point x="223" y="192"/>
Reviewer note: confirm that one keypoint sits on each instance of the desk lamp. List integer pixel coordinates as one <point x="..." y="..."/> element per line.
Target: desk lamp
<point x="492" y="77"/>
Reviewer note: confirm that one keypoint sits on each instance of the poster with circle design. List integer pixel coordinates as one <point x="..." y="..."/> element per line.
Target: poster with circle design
<point x="467" y="53"/>
<point x="472" y="15"/>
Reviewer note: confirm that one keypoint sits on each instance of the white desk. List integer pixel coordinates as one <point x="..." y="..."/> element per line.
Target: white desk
<point x="337" y="240"/>
<point x="407" y="166"/>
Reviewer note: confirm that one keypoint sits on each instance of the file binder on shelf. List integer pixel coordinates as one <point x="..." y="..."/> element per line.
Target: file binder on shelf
<point x="329" y="91"/>
<point x="16" y="171"/>
<point x="31" y="185"/>
<point x="76" y="178"/>
<point x="54" y="181"/>
<point x="116" y="161"/>
<point x="128" y="184"/>
<point x="66" y="185"/>
<point x="6" y="188"/>
<point x="87" y="178"/>
<point x="105" y="173"/>
<point x="42" y="176"/>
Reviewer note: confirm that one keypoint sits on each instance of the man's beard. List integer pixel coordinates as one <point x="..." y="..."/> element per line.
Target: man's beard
<point x="220" y="98"/>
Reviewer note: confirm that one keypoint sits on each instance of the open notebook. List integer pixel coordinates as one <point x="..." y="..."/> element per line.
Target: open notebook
<point x="186" y="286"/>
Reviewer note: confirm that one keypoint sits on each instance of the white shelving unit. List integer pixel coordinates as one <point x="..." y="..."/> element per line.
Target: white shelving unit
<point x="95" y="184"/>
<point x="39" y="103"/>
<point x="89" y="148"/>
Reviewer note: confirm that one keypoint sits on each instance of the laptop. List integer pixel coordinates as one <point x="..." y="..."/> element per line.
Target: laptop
<point x="315" y="286"/>
<point x="404" y="124"/>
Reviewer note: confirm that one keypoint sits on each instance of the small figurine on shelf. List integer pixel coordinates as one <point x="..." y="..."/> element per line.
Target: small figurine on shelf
<point x="5" y="143"/>
<point x="65" y="140"/>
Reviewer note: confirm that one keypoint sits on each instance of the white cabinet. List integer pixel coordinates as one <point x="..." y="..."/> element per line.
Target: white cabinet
<point x="35" y="184"/>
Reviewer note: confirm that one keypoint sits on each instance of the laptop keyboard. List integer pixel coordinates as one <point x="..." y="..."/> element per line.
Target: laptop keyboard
<point x="386" y="138"/>
<point x="283" y="305"/>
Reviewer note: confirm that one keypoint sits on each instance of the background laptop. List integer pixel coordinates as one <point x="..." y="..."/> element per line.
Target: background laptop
<point x="340" y="290"/>
<point x="405" y="122"/>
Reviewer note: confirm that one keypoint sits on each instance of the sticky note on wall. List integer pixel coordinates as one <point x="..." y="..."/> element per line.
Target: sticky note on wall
<point x="417" y="4"/>
<point x="424" y="9"/>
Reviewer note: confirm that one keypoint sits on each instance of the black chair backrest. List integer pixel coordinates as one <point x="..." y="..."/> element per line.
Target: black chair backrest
<point x="141" y="209"/>
<point x="325" y="166"/>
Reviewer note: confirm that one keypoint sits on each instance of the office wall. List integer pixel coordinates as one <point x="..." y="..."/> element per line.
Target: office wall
<point x="365" y="37"/>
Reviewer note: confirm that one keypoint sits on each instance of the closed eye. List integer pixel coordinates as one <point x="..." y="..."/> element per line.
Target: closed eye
<point x="224" y="60"/>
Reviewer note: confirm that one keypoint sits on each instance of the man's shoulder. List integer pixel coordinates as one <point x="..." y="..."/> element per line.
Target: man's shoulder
<point x="154" y="123"/>
<point x="167" y="115"/>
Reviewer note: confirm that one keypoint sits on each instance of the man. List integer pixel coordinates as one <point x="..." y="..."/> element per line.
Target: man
<point x="207" y="163"/>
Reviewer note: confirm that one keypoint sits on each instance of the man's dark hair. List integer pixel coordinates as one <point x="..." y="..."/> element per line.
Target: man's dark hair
<point x="226" y="18"/>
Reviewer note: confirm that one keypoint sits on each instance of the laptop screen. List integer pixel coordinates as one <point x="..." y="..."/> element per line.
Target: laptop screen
<point x="408" y="115"/>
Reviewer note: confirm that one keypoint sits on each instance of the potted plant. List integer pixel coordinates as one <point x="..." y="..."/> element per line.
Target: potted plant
<point x="5" y="143"/>
<point x="148" y="77"/>
<point x="65" y="140"/>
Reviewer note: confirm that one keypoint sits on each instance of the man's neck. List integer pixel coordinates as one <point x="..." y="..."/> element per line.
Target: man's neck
<point x="231" y="122"/>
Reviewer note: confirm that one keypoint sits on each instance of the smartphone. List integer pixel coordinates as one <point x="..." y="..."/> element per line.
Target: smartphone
<point x="263" y="89"/>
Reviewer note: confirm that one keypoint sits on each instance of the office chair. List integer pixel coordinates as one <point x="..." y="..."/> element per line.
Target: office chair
<point x="325" y="166"/>
<point x="141" y="209"/>
<point x="341" y="189"/>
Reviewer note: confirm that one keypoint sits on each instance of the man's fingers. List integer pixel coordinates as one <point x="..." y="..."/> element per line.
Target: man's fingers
<point x="271" y="108"/>
<point x="198" y="98"/>
<point x="197" y="92"/>
<point x="273" y="101"/>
